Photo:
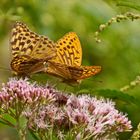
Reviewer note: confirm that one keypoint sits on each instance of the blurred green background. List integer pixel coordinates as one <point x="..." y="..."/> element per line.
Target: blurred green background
<point x="118" y="53"/>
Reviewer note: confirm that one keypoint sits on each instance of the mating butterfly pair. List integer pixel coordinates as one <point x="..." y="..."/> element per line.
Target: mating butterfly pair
<point x="32" y="53"/>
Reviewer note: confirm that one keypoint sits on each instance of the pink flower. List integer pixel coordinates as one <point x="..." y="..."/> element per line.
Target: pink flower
<point x="48" y="109"/>
<point x="22" y="93"/>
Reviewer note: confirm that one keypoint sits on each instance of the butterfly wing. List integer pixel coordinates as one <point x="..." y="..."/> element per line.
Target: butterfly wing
<point x="69" y="50"/>
<point x="68" y="53"/>
<point x="58" y="70"/>
<point x="67" y="63"/>
<point x="71" y="74"/>
<point x="29" y="49"/>
<point x="83" y="72"/>
<point x="25" y="65"/>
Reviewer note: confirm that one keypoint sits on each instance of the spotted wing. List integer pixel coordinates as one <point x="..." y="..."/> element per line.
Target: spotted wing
<point x="29" y="49"/>
<point x="67" y="63"/>
<point x="58" y="70"/>
<point x="71" y="73"/>
<point x="83" y="72"/>
<point x="69" y="50"/>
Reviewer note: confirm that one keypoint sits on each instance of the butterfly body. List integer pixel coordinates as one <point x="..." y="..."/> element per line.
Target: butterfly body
<point x="29" y="50"/>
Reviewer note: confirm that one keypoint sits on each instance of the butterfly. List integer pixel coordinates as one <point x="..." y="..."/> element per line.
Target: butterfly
<point x="29" y="50"/>
<point x="67" y="63"/>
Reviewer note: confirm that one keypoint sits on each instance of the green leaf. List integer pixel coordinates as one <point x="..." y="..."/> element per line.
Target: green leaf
<point x="112" y="94"/>
<point x="33" y="135"/>
<point x="129" y="4"/>
<point x="118" y="95"/>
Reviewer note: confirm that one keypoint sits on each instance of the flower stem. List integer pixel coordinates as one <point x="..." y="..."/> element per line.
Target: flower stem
<point x="21" y="130"/>
<point x="22" y="134"/>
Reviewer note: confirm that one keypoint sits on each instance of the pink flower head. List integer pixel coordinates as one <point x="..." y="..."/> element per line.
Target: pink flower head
<point x="22" y="92"/>
<point x="48" y="109"/>
<point x="99" y="117"/>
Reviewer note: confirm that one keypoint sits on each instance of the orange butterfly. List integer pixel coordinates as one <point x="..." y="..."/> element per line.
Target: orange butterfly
<point x="67" y="63"/>
<point x="29" y="50"/>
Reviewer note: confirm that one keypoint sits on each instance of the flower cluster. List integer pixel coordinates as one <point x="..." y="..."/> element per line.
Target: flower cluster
<point x="22" y="93"/>
<point x="48" y="109"/>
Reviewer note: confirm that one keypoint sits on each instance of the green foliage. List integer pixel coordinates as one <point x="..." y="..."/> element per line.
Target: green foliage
<point x="118" y="95"/>
<point x="129" y="4"/>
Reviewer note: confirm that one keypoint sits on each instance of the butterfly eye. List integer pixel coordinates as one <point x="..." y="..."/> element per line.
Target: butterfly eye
<point x="45" y="64"/>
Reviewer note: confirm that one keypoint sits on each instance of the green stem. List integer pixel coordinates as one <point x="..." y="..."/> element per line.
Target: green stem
<point x="22" y="134"/>
<point x="21" y="130"/>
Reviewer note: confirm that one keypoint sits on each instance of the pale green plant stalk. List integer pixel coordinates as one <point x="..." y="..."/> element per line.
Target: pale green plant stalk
<point x="131" y="85"/>
<point x="116" y="19"/>
<point x="21" y="129"/>
<point x="136" y="134"/>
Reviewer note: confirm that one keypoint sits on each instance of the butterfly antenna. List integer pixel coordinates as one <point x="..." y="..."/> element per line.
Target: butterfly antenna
<point x="56" y="84"/>
<point x="93" y="80"/>
<point x="4" y="68"/>
<point x="65" y="88"/>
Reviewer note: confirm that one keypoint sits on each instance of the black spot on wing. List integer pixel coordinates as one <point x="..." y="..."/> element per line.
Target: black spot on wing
<point x="28" y="41"/>
<point x="21" y="43"/>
